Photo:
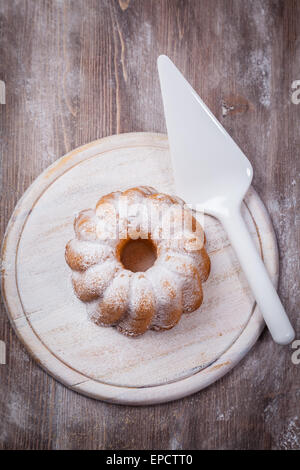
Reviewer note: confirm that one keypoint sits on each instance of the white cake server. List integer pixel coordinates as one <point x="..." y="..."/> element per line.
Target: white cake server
<point x="211" y="170"/>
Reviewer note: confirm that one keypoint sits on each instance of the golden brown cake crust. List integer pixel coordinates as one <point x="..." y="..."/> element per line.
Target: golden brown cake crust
<point x="119" y="292"/>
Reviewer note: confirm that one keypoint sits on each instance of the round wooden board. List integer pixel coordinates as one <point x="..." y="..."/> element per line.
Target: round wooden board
<point x="52" y="322"/>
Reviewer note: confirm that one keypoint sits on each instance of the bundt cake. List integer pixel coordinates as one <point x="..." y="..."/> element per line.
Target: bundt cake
<point x="136" y="262"/>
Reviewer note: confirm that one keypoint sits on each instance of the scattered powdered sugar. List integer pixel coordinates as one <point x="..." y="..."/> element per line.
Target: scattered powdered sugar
<point x="283" y="208"/>
<point x="290" y="438"/>
<point x="256" y="72"/>
<point x="225" y="416"/>
<point x="260" y="61"/>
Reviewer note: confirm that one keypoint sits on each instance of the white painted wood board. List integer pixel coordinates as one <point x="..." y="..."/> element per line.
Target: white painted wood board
<point x="52" y="322"/>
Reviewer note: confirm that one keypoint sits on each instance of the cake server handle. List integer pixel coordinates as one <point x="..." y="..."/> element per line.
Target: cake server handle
<point x="261" y="285"/>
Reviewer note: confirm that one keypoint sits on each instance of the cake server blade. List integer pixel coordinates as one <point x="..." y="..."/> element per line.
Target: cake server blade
<point x="213" y="174"/>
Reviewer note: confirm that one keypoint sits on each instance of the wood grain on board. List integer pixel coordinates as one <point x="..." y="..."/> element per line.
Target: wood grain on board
<point x="52" y="322"/>
<point x="78" y="71"/>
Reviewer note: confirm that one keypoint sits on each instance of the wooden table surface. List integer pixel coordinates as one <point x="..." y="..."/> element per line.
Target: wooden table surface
<point x="79" y="70"/>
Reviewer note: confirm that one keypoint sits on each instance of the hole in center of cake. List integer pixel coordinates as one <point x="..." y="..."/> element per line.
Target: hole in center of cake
<point x="138" y="255"/>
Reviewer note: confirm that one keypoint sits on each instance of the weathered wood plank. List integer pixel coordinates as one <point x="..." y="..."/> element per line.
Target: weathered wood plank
<point x="77" y="71"/>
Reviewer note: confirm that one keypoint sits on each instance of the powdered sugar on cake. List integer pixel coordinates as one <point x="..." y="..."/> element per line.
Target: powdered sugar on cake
<point x="118" y="294"/>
